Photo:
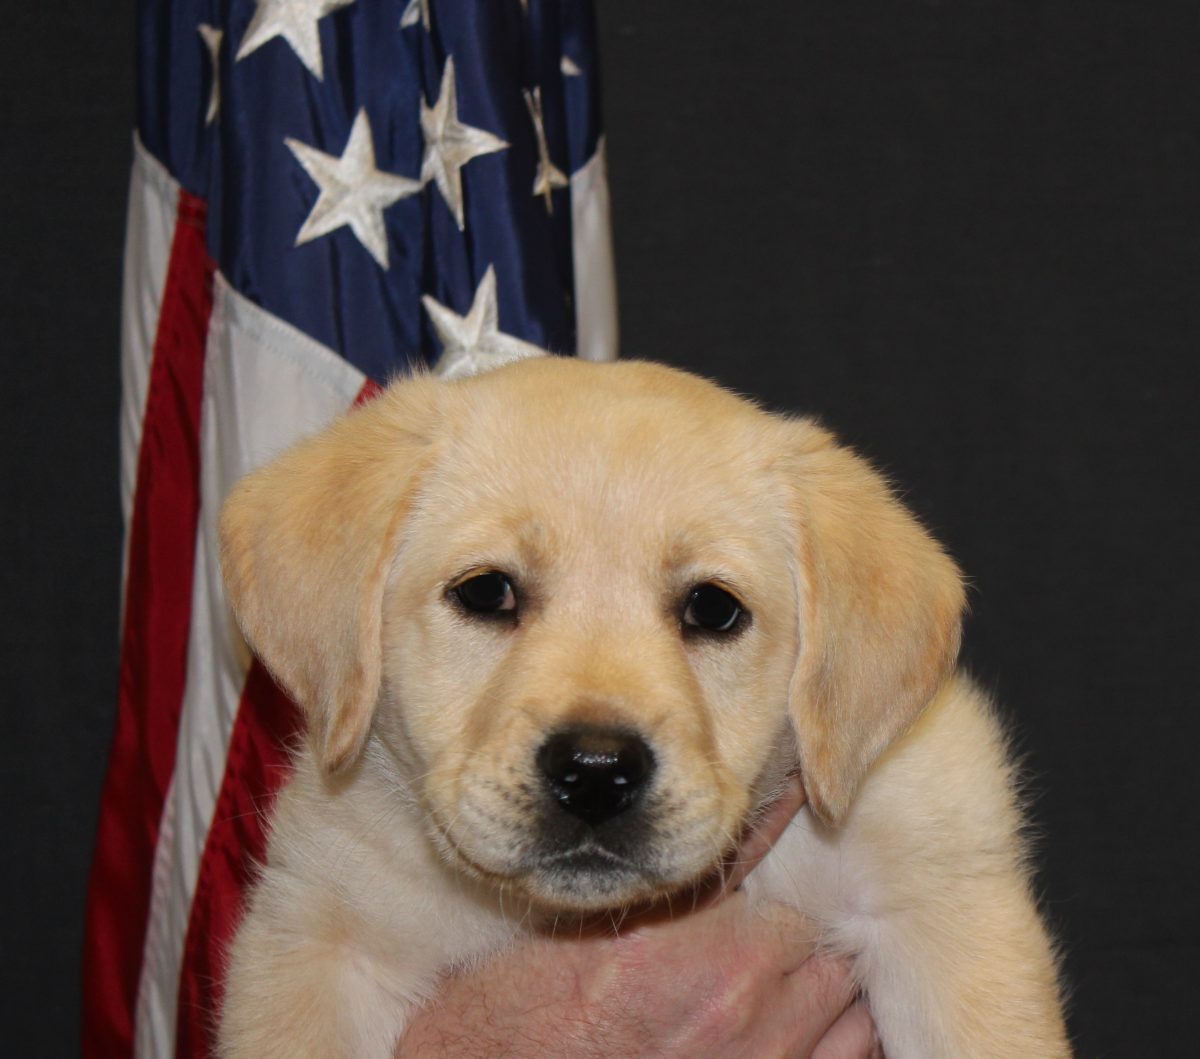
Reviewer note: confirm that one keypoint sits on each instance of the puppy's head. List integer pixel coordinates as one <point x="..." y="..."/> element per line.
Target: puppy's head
<point x="588" y="613"/>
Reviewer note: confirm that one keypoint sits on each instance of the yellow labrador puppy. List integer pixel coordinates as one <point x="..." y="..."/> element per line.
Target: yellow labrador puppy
<point x="558" y="632"/>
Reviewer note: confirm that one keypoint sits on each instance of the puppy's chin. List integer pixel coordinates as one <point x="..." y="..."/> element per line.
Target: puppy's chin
<point x="582" y="881"/>
<point x="594" y="881"/>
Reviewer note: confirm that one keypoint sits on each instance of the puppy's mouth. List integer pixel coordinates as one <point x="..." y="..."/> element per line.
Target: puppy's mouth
<point x="581" y="870"/>
<point x="589" y="876"/>
<point x="587" y="856"/>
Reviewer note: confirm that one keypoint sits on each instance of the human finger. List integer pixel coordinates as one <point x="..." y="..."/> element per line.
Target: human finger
<point x="816" y="995"/>
<point x="852" y="1036"/>
<point x="754" y="845"/>
<point x="780" y="937"/>
<point x="765" y="832"/>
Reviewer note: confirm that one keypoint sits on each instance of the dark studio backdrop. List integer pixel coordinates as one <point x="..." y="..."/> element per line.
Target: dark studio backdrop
<point x="965" y="233"/>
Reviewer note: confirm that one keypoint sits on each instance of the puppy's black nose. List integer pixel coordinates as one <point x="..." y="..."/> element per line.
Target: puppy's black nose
<point x="594" y="773"/>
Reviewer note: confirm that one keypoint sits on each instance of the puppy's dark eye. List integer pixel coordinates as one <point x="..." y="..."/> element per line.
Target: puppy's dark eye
<point x="712" y="609"/>
<point x="490" y="593"/>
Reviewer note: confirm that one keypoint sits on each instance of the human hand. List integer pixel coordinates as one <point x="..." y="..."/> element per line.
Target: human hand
<point x="724" y="982"/>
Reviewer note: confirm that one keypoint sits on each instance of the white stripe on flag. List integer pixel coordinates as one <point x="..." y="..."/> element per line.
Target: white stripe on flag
<point x="595" y="273"/>
<point x="266" y="385"/>
<point x="149" y="233"/>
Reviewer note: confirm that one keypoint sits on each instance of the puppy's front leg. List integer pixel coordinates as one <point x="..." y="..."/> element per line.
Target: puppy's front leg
<point x="925" y="885"/>
<point x="970" y="974"/>
<point x="352" y="920"/>
<point x="950" y="947"/>
<point x="296" y="996"/>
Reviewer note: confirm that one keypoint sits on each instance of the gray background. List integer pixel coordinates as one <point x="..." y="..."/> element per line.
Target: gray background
<point x="966" y="234"/>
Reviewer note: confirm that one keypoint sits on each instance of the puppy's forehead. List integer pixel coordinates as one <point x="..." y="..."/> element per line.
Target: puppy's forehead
<point x="612" y="441"/>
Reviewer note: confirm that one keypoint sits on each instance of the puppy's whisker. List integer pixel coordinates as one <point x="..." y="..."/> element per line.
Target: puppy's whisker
<point x="670" y="906"/>
<point x="625" y="910"/>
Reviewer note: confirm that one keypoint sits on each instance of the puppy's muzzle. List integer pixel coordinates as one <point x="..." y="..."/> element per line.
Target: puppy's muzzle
<point x="595" y="773"/>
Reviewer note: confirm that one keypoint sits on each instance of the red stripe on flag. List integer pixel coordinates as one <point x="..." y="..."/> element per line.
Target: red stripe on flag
<point x="370" y="389"/>
<point x="256" y="767"/>
<point x="158" y="602"/>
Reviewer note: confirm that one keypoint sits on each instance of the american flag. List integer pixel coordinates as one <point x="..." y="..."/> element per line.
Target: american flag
<point x="324" y="194"/>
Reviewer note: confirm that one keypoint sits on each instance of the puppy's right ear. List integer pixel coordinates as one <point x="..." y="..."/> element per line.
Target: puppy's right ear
<point x="306" y="544"/>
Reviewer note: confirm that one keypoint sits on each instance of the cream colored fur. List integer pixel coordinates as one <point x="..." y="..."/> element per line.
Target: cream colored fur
<point x="402" y="845"/>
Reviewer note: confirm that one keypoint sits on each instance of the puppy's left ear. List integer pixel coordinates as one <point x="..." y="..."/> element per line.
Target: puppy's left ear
<point x="880" y="615"/>
<point x="306" y="545"/>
